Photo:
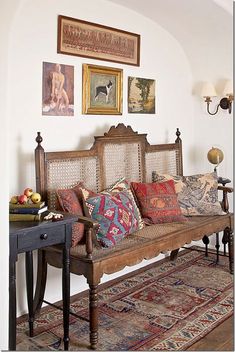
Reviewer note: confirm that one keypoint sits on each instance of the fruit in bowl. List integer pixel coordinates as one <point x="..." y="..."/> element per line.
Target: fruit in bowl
<point x="35" y="197"/>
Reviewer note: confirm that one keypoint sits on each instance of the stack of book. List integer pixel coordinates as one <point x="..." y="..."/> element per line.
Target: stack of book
<point x="26" y="212"/>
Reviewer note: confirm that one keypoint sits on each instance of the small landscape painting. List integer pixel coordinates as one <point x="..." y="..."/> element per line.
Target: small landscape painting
<point x="141" y="95"/>
<point x="57" y="89"/>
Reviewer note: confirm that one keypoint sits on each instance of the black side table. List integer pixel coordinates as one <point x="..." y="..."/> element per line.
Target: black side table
<point x="26" y="236"/>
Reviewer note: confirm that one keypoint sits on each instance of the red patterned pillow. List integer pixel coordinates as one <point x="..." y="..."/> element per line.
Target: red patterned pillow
<point x="70" y="201"/>
<point x="158" y="202"/>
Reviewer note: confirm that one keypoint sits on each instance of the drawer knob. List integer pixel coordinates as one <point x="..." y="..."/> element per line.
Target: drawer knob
<point x="44" y="236"/>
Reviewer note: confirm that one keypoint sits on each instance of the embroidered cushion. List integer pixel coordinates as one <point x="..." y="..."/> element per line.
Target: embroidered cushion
<point x="70" y="201"/>
<point x="197" y="194"/>
<point x="115" y="215"/>
<point x="158" y="202"/>
<point x="119" y="186"/>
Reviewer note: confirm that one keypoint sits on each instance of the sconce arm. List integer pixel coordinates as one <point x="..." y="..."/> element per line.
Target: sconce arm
<point x="225" y="104"/>
<point x="212" y="113"/>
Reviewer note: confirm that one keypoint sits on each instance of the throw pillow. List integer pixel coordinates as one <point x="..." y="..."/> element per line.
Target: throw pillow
<point x="158" y="202"/>
<point x="119" y="186"/>
<point x="69" y="200"/>
<point x="115" y="215"/>
<point x="197" y="194"/>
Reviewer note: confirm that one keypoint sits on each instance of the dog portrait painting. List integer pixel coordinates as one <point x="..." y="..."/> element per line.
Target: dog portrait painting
<point x="102" y="90"/>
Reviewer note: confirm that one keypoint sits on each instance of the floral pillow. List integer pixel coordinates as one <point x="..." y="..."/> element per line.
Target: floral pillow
<point x="158" y="202"/>
<point x="70" y="201"/>
<point x="115" y="215"/>
<point x="197" y="194"/>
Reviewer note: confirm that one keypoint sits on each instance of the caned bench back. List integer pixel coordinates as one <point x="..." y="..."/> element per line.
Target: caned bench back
<point x="121" y="152"/>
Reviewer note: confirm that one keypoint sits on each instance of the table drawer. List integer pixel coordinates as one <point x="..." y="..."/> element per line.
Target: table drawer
<point x="41" y="238"/>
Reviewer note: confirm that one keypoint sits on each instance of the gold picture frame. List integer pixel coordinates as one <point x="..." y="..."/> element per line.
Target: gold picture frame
<point x="96" y="41"/>
<point x="102" y="90"/>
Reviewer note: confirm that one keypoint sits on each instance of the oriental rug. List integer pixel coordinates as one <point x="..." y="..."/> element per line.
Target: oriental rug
<point x="166" y="306"/>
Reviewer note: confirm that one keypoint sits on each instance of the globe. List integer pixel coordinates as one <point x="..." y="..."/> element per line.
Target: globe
<point x="215" y="156"/>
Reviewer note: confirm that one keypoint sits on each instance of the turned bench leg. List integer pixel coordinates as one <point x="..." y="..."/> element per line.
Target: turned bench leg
<point x="174" y="254"/>
<point x="206" y="241"/>
<point x="93" y="316"/>
<point x="217" y="246"/>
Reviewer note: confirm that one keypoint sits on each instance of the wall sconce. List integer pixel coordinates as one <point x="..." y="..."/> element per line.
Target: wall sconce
<point x="208" y="91"/>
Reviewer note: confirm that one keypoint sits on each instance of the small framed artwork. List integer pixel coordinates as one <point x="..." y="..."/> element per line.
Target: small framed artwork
<point x="57" y="89"/>
<point x="141" y="95"/>
<point x="95" y="41"/>
<point x="102" y="90"/>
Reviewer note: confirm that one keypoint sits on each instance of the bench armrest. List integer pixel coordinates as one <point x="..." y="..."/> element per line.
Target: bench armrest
<point x="225" y="189"/>
<point x="88" y="222"/>
<point x="91" y="228"/>
<point x="225" y="203"/>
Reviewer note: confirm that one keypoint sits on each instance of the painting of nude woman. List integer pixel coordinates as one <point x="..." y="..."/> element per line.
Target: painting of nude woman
<point x="57" y="89"/>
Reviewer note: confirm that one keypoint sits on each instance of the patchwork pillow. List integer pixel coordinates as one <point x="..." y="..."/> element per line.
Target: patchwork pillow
<point x="197" y="194"/>
<point x="115" y="215"/>
<point x="158" y="202"/>
<point x="70" y="201"/>
<point x="119" y="186"/>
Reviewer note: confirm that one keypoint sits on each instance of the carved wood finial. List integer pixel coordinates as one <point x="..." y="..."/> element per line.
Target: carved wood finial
<point x="178" y="139"/>
<point x="39" y="140"/>
<point x="120" y="130"/>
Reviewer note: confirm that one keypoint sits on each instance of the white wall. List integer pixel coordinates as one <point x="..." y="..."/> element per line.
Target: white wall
<point x="33" y="40"/>
<point x="6" y="15"/>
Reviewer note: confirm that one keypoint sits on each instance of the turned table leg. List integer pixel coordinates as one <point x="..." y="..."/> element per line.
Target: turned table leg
<point x="231" y="251"/>
<point x="217" y="246"/>
<point x="29" y="285"/>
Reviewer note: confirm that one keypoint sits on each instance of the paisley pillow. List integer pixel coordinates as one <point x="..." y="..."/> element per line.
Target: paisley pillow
<point x="197" y="194"/>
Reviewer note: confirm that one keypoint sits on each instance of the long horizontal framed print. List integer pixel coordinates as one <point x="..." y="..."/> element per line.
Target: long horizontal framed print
<point x="102" y="90"/>
<point x="95" y="41"/>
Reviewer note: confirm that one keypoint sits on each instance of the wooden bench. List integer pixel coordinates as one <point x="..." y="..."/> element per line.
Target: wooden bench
<point x="119" y="153"/>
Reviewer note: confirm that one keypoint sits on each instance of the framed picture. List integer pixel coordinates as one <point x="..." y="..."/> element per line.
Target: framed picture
<point x="141" y="95"/>
<point x="102" y="90"/>
<point x="82" y="38"/>
<point x="57" y="89"/>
